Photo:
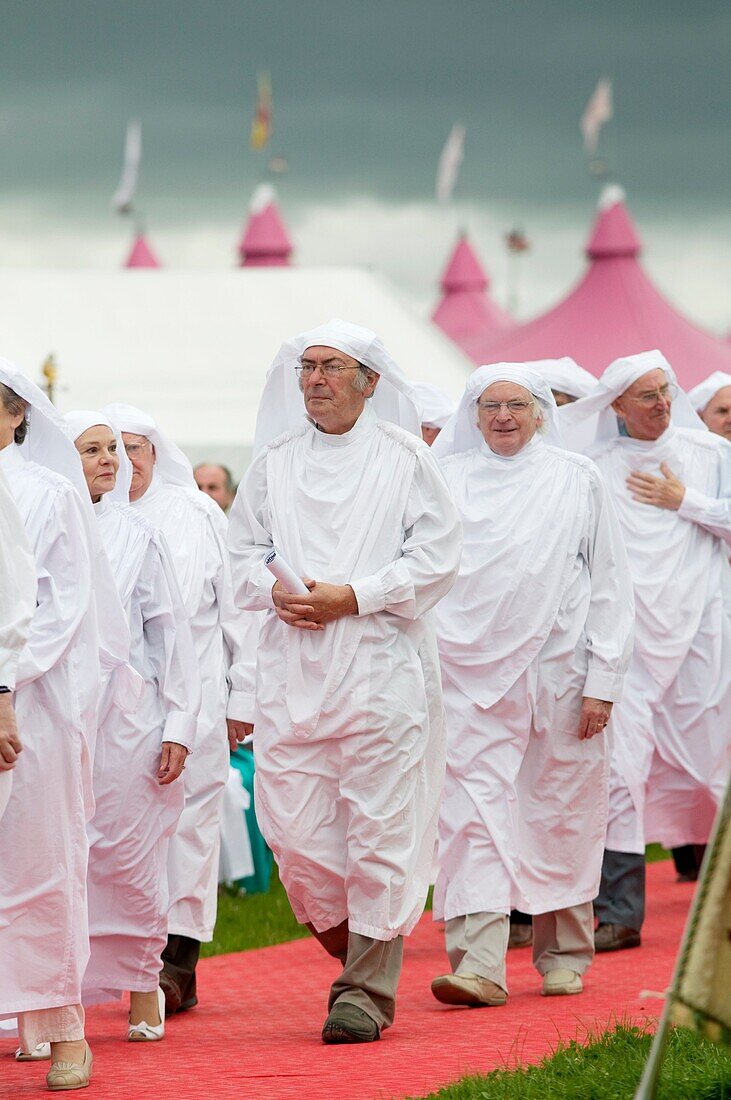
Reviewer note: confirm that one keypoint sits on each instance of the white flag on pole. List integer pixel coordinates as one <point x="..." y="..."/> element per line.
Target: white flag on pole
<point x="598" y="111"/>
<point x="449" y="162"/>
<point x="125" y="192"/>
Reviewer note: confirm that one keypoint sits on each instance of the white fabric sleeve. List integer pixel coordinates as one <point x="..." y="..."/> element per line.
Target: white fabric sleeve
<point x="17" y="586"/>
<point x="431" y="550"/>
<point x="240" y="631"/>
<point x="249" y="540"/>
<point x="170" y="645"/>
<point x="712" y="513"/>
<point x="63" y="570"/>
<point x="610" y="619"/>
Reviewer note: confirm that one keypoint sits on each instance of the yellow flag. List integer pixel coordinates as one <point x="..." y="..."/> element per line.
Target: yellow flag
<point x="262" y="122"/>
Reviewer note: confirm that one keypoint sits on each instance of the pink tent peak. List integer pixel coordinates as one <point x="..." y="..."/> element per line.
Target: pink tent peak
<point x="141" y="254"/>
<point x="265" y="241"/>
<point x="614" y="310"/>
<point x="466" y="311"/>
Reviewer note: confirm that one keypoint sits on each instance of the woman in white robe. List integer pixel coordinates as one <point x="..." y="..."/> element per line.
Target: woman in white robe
<point x="194" y="528"/>
<point x="349" y="736"/>
<point x="534" y="638"/>
<point x="140" y="754"/>
<point x="672" y="492"/>
<point x="43" y="843"/>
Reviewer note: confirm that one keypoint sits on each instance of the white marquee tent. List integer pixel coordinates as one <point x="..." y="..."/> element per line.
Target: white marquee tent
<point x="192" y="347"/>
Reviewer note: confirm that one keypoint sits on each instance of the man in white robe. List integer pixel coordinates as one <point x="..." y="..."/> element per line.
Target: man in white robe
<point x="163" y="491"/>
<point x="670" y="480"/>
<point x="139" y="755"/>
<point x="534" y="641"/>
<point x="712" y="401"/>
<point x="17" y="605"/>
<point x="435" y="409"/>
<point x="348" y="728"/>
<point x="43" y="846"/>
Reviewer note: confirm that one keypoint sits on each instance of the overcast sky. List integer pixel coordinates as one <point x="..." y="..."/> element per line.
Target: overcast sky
<point x="364" y="96"/>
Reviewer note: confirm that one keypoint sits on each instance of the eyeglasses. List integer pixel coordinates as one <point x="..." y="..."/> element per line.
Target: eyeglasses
<point x="665" y="393"/>
<point x="511" y="406"/>
<point x="330" y="370"/>
<point x="134" y="449"/>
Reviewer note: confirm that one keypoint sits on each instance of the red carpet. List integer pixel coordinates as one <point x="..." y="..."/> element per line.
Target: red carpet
<point x="256" y="1033"/>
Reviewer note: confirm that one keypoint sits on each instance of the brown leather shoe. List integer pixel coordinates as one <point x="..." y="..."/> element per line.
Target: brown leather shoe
<point x="615" y="937"/>
<point x="521" y="935"/>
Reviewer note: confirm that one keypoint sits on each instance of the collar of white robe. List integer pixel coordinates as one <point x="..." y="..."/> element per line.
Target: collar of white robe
<point x="461" y="432"/>
<point x="171" y="465"/>
<point x="79" y="421"/>
<point x="282" y="406"/>
<point x="591" y="422"/>
<point x="700" y="395"/>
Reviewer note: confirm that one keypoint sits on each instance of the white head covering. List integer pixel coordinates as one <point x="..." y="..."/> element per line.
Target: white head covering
<point x="700" y="395"/>
<point x="79" y="421"/>
<point x="436" y="408"/>
<point x="566" y="376"/>
<point x="171" y="465"/>
<point x="282" y="407"/>
<point x="591" y="422"/>
<point x="47" y="441"/>
<point x="461" y="432"/>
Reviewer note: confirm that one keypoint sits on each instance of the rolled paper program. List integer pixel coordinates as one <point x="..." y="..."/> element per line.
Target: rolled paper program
<point x="285" y="574"/>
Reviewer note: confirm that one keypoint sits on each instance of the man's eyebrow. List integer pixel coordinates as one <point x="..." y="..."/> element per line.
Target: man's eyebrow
<point x="330" y="359"/>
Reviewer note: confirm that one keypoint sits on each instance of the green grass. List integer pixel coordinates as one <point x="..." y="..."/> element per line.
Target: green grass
<point x="255" y="920"/>
<point x="608" y="1069"/>
<point x="655" y="852"/>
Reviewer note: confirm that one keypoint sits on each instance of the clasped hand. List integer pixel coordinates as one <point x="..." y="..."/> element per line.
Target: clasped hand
<point x="324" y="604"/>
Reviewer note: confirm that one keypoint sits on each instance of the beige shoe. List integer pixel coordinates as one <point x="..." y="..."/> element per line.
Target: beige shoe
<point x="467" y="989"/>
<point x="65" y="1076"/>
<point x="561" y="983"/>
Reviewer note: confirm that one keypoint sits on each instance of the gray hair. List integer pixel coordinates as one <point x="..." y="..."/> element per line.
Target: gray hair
<point x="363" y="377"/>
<point x="15" y="405"/>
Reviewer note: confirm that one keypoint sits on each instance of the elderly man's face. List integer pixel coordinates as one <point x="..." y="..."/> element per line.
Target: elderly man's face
<point x="717" y="413"/>
<point x="212" y="480"/>
<point x="328" y="383"/>
<point x="141" y="454"/>
<point x="645" y="405"/>
<point x="506" y="430"/>
<point x="98" y="449"/>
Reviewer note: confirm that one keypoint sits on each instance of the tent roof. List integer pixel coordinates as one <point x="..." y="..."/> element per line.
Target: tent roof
<point x="614" y="310"/>
<point x="265" y="241"/>
<point x="466" y="312"/>
<point x="141" y="254"/>
<point x="193" y="347"/>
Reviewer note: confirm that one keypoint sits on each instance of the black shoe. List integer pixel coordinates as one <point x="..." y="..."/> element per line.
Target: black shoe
<point x="521" y="935"/>
<point x="615" y="937"/>
<point x="349" y="1024"/>
<point x="173" y="996"/>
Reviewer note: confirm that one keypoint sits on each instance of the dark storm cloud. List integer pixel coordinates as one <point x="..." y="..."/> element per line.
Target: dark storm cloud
<point x="365" y="93"/>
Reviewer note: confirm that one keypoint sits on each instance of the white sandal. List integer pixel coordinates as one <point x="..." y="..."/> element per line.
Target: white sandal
<point x="38" y="1054"/>
<point x="149" y="1033"/>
